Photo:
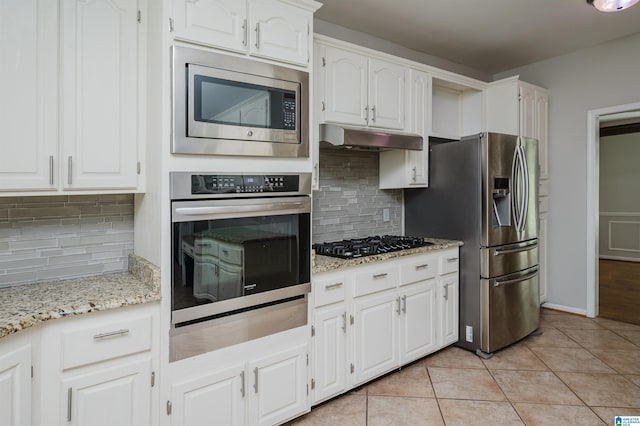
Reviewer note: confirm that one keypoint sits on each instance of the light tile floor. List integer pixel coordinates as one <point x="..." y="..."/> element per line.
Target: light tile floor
<point x="580" y="371"/>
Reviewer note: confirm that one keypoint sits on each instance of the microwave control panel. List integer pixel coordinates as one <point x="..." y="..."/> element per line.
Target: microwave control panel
<point x="289" y="111"/>
<point x="224" y="184"/>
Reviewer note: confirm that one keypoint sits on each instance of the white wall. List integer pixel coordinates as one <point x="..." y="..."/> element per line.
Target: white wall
<point x="597" y="77"/>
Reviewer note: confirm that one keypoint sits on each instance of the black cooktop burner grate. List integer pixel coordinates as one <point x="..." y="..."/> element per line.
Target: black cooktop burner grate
<point x="349" y="249"/>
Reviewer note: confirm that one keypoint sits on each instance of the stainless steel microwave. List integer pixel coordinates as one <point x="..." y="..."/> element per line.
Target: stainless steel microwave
<point x="229" y="105"/>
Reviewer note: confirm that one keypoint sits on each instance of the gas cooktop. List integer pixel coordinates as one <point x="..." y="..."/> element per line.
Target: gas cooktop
<point x="349" y="249"/>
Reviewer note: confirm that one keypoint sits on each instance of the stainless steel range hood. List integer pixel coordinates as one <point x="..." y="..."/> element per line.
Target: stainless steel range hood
<point x="348" y="137"/>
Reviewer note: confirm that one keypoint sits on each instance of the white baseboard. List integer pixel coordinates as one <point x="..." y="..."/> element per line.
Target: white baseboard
<point x="564" y="308"/>
<point x="622" y="258"/>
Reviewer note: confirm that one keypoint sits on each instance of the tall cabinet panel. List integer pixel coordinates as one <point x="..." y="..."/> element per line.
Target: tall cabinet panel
<point x="99" y="108"/>
<point x="28" y="91"/>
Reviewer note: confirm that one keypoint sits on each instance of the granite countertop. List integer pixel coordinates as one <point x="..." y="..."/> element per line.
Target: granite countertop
<point x="326" y="263"/>
<point x="26" y="305"/>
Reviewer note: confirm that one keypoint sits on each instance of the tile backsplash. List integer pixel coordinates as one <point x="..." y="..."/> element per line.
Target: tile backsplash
<point x="350" y="203"/>
<point x="64" y="236"/>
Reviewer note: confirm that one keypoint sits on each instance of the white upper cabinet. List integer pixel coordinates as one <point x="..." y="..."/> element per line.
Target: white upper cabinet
<point x="273" y="29"/>
<point x="219" y="23"/>
<point x="69" y="95"/>
<point x="410" y="169"/>
<point x="519" y="108"/>
<point x="28" y="91"/>
<point x="99" y="93"/>
<point x="361" y="91"/>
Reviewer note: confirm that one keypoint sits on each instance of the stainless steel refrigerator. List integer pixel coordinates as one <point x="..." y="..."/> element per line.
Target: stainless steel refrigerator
<point x="483" y="190"/>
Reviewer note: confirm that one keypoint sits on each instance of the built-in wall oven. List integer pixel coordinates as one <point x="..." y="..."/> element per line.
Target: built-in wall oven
<point x="240" y="255"/>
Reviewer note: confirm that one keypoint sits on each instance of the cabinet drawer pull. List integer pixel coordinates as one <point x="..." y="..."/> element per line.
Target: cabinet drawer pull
<point x="424" y="265"/>
<point x="255" y="384"/>
<point x="244" y="33"/>
<point x="404" y="304"/>
<point x="258" y="35"/>
<point x="446" y="292"/>
<point x="69" y="396"/>
<point x="111" y="333"/>
<point x="376" y="276"/>
<point x="451" y="259"/>
<point x="51" y="170"/>
<point x="330" y="286"/>
<point x="344" y="322"/>
<point x="373" y="113"/>
<point x="70" y="170"/>
<point x="242" y="383"/>
<point x="398" y="308"/>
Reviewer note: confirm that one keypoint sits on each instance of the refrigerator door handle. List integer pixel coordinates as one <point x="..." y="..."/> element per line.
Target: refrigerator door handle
<point x="515" y="179"/>
<point x="517" y="280"/>
<point x="530" y="246"/>
<point x="525" y="198"/>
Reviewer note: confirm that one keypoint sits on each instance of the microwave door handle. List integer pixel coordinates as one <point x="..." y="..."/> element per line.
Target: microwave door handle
<point x="249" y="208"/>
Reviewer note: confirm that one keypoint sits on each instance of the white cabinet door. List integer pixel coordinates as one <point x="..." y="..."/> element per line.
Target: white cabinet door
<point x="329" y="352"/>
<point x="448" y="295"/>
<point x="278" y="390"/>
<point x="217" y="23"/>
<point x="15" y="387"/>
<point x="345" y="87"/>
<point x="418" y="321"/>
<point x="28" y="94"/>
<point x="205" y="277"/>
<point x="527" y="111"/>
<point x="279" y="31"/>
<point x="542" y="256"/>
<point x="112" y="396"/>
<point x="217" y="398"/>
<point x="386" y="94"/>
<point x="229" y="281"/>
<point x="99" y="48"/>
<point x="542" y="131"/>
<point x="376" y="336"/>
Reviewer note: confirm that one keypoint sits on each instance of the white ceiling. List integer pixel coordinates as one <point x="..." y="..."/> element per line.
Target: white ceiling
<point x="489" y="35"/>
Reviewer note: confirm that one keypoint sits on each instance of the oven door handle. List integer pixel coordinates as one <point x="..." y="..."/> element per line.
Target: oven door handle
<point x="248" y="208"/>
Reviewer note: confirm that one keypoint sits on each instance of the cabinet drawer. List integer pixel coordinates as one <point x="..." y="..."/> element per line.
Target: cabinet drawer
<point x="375" y="279"/>
<point x="329" y="289"/>
<point x="449" y="262"/>
<point x="205" y="246"/>
<point x="230" y="253"/>
<point x="111" y="340"/>
<point x="418" y="270"/>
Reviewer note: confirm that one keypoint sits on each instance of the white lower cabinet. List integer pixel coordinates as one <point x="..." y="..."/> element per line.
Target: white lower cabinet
<point x="376" y="336"/>
<point x="112" y="396"/>
<point x="218" y="396"/>
<point x="15" y="384"/>
<point x="233" y="386"/>
<point x="373" y="318"/>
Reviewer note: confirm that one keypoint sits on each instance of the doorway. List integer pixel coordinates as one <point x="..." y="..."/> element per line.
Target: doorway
<point x="619" y="226"/>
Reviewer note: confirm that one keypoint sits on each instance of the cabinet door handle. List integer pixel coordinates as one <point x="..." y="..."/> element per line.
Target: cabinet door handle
<point x="376" y="276"/>
<point x="242" y="383"/>
<point x="258" y="35"/>
<point x="70" y="170"/>
<point x="255" y="384"/>
<point x="373" y="114"/>
<point x="451" y="259"/>
<point x="404" y="304"/>
<point x="111" y="334"/>
<point x="344" y="322"/>
<point x="51" y="170"/>
<point x="446" y="292"/>
<point x="366" y="114"/>
<point x="323" y="105"/>
<point x="398" y="308"/>
<point x="414" y="174"/>
<point x="330" y="286"/>
<point x="424" y="265"/>
<point x="69" y="406"/>
<point x="244" y="33"/>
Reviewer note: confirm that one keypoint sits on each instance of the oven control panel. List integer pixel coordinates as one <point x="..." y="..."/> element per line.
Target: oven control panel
<point x="225" y="184"/>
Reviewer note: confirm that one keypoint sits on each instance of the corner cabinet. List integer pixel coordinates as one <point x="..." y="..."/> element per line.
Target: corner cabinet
<point x="410" y="169"/>
<point x="15" y="380"/>
<point x="273" y="29"/>
<point x="87" y="94"/>
<point x="373" y="318"/>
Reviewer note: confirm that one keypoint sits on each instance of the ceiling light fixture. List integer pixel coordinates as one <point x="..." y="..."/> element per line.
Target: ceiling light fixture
<point x="612" y="5"/>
